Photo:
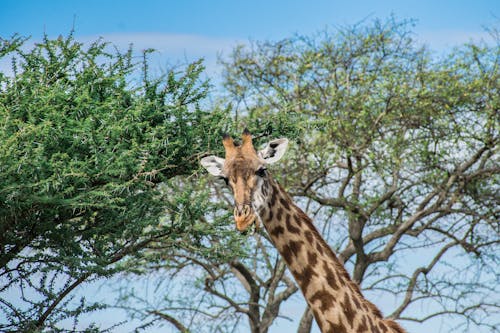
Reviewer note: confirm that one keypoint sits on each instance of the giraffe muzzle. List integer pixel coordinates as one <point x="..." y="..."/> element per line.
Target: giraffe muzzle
<point x="243" y="216"/>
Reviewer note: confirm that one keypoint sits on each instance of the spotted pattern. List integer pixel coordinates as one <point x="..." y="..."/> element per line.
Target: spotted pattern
<point x="336" y="301"/>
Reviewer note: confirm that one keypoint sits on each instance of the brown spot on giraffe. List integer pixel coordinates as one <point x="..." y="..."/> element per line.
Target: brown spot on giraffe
<point x="363" y="326"/>
<point x="356" y="302"/>
<point x="336" y="301"/>
<point x="279" y="213"/>
<point x="349" y="311"/>
<point x="277" y="231"/>
<point x="330" y="277"/>
<point x="287" y="255"/>
<point x="304" y="277"/>
<point x="274" y="195"/>
<point x="290" y="227"/>
<point x="312" y="258"/>
<point x="295" y="247"/>
<point x="291" y="250"/>
<point x="309" y="236"/>
<point x="324" y="298"/>
<point x="285" y="203"/>
<point x="319" y="247"/>
<point x="270" y="215"/>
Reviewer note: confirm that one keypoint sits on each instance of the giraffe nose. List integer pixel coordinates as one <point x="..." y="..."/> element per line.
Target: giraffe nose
<point x="243" y="216"/>
<point x="241" y="211"/>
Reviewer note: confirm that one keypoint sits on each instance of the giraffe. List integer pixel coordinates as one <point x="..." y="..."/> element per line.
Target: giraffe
<point x="336" y="301"/>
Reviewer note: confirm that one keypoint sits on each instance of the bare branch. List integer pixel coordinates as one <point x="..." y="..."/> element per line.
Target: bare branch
<point x="172" y="320"/>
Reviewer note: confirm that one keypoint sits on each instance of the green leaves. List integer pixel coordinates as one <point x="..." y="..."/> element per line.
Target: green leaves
<point x="392" y="142"/>
<point x="83" y="152"/>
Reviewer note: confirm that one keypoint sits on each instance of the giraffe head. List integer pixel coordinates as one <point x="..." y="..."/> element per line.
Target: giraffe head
<point x="244" y="170"/>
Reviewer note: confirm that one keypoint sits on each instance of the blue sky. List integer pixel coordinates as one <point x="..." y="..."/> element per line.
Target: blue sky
<point x="234" y="19"/>
<point x="189" y="29"/>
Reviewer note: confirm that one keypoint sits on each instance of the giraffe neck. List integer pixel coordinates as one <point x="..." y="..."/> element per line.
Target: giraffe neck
<point x="336" y="301"/>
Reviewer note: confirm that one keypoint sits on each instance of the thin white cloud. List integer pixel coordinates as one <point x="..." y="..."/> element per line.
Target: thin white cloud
<point x="173" y="48"/>
<point x="172" y="43"/>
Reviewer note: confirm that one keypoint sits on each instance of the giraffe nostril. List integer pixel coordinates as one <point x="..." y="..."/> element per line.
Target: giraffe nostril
<point x="242" y="210"/>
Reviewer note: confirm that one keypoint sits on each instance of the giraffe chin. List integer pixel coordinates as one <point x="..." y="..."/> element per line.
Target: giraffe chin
<point x="243" y="223"/>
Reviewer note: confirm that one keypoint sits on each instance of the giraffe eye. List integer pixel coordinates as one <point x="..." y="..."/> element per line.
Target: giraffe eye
<point x="261" y="172"/>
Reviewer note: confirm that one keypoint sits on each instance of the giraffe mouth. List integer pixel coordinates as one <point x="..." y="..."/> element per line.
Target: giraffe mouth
<point x="243" y="223"/>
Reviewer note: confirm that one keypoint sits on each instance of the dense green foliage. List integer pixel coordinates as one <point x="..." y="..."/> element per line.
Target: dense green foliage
<point x="86" y="139"/>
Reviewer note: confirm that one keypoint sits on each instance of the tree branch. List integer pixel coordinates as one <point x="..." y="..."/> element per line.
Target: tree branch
<point x="172" y="320"/>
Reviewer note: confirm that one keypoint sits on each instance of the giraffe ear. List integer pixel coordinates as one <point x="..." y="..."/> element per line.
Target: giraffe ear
<point x="213" y="164"/>
<point x="274" y="150"/>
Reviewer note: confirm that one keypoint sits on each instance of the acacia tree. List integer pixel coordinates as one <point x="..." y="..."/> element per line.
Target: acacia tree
<point x="88" y="141"/>
<point x="396" y="158"/>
